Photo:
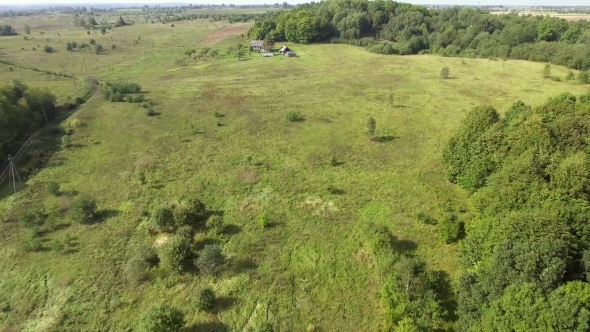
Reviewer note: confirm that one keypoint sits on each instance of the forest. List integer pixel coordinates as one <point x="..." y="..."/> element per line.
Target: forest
<point x="525" y="256"/>
<point x="389" y="27"/>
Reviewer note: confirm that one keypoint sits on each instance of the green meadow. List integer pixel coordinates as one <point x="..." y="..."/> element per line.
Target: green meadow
<point x="220" y="134"/>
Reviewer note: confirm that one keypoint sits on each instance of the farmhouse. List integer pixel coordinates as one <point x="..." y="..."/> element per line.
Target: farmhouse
<point x="257" y="45"/>
<point x="284" y="50"/>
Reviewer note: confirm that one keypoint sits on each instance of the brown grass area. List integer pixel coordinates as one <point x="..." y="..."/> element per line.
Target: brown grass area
<point x="221" y="34"/>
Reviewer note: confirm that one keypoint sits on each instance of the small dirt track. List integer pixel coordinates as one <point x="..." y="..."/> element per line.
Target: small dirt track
<point x="222" y="33"/>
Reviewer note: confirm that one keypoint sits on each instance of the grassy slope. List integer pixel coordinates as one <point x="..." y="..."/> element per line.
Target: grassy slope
<point x="312" y="267"/>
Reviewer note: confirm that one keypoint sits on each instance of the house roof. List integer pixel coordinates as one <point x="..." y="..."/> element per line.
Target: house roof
<point x="259" y="43"/>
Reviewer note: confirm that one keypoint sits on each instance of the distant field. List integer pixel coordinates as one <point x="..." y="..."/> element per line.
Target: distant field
<point x="320" y="180"/>
<point x="569" y="17"/>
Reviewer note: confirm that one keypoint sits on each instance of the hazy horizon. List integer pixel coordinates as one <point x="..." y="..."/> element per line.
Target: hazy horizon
<point x="246" y="2"/>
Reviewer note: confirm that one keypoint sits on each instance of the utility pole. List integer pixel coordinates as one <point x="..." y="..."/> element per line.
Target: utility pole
<point x="44" y="114"/>
<point x="12" y="173"/>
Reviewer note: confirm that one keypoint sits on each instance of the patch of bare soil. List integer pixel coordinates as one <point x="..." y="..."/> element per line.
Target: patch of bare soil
<point x="226" y="31"/>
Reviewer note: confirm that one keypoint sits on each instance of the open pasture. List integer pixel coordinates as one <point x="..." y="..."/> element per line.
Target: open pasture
<point x="221" y="134"/>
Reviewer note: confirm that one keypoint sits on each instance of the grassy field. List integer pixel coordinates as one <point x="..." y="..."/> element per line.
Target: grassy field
<point x="313" y="266"/>
<point x="570" y="17"/>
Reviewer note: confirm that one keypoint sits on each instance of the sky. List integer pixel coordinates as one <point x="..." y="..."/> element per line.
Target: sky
<point x="242" y="2"/>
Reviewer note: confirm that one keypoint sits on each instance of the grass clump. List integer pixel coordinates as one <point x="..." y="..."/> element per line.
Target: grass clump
<point x="294" y="116"/>
<point x="52" y="188"/>
<point x="263" y="220"/>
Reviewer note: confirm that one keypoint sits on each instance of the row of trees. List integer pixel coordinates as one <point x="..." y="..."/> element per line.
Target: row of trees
<point x="390" y="27"/>
<point x="526" y="255"/>
<point x="22" y="110"/>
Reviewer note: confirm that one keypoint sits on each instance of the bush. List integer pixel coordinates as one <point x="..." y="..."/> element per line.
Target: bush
<point x="371" y="126"/>
<point x="92" y="42"/>
<point x="186" y="232"/>
<point x="547" y="71"/>
<point x="263" y="220"/>
<point x="162" y="218"/>
<point x="294" y="116"/>
<point x="215" y="224"/>
<point x="210" y="259"/>
<point x="137" y="267"/>
<point x="333" y="161"/>
<point x="449" y="229"/>
<point x="162" y="318"/>
<point x="65" y="141"/>
<point x="570" y="75"/>
<point x="204" y="300"/>
<point x="584" y="77"/>
<point x="79" y="100"/>
<point x="444" y="73"/>
<point x="48" y="49"/>
<point x="31" y="242"/>
<point x="136" y="270"/>
<point x="174" y="253"/>
<point x="32" y="218"/>
<point x="83" y="209"/>
<point x="52" y="188"/>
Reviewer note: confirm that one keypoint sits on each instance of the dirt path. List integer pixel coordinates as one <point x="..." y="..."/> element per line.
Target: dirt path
<point x="226" y="31"/>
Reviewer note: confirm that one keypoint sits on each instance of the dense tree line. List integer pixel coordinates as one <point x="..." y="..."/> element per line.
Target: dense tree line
<point x="525" y="257"/>
<point x="21" y="112"/>
<point x="390" y="27"/>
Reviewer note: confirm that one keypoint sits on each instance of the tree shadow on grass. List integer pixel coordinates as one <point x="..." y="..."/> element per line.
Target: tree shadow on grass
<point x="224" y="303"/>
<point x="383" y="138"/>
<point x="106" y="214"/>
<point x="207" y="241"/>
<point x="208" y="327"/>
<point x="446" y="295"/>
<point x="403" y="246"/>
<point x="231" y="229"/>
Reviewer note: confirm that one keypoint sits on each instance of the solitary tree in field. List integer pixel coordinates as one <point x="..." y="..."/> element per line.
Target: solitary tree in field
<point x="547" y="71"/>
<point x="240" y="51"/>
<point x="371" y="125"/>
<point x="120" y="22"/>
<point x="268" y="43"/>
<point x="229" y="51"/>
<point x="27" y="29"/>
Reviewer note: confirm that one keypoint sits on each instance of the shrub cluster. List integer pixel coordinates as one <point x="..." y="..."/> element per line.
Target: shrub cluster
<point x="115" y="92"/>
